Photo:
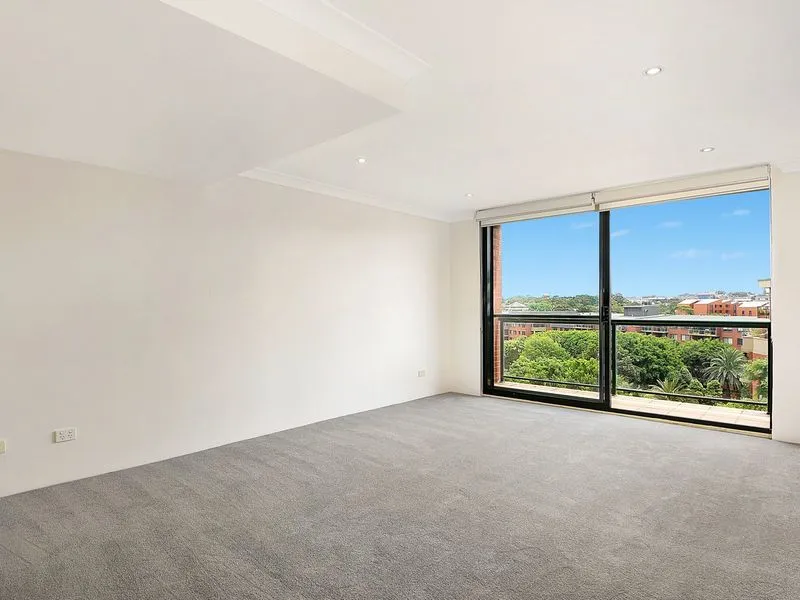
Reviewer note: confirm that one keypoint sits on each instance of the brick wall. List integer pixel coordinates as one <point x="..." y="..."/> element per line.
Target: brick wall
<point x="497" y="299"/>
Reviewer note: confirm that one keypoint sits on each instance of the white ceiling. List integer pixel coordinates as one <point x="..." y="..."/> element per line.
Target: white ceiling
<point x="143" y="87"/>
<point x="507" y="100"/>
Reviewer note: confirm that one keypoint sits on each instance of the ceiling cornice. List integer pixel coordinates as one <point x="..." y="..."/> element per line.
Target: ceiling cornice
<point x="319" y="36"/>
<point x="326" y="189"/>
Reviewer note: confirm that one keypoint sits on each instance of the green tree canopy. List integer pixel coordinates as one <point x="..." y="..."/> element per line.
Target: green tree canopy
<point x="542" y="345"/>
<point x="758" y="371"/>
<point x="645" y="359"/>
<point x="579" y="344"/>
<point x="697" y="354"/>
<point x="714" y="389"/>
<point x="512" y="349"/>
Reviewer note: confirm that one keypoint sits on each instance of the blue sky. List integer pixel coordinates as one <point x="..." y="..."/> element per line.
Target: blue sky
<point x="719" y="243"/>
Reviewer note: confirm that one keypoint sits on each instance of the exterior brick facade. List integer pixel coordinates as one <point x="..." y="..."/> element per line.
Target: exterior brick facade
<point x="497" y="299"/>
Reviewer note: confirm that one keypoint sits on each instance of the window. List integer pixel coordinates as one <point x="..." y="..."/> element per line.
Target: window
<point x="639" y="309"/>
<point x="548" y="309"/>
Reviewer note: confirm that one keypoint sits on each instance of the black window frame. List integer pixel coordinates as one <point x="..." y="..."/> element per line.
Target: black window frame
<point x="607" y="328"/>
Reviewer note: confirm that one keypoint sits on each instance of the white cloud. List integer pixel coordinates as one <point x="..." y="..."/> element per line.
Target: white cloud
<point x="739" y="212"/>
<point x="732" y="255"/>
<point x="620" y="233"/>
<point x="689" y="253"/>
<point x="583" y="225"/>
<point x="670" y="224"/>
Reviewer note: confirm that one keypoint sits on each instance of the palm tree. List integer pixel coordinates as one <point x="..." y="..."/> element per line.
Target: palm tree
<point x="727" y="367"/>
<point x="670" y="385"/>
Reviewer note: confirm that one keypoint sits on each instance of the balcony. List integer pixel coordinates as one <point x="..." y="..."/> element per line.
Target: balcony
<point x="722" y="412"/>
<point x="698" y="376"/>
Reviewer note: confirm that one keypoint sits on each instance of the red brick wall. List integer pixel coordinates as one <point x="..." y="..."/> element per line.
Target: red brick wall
<point x="497" y="299"/>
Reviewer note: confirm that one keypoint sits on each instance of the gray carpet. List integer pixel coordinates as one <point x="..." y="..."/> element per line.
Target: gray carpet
<point x="450" y="497"/>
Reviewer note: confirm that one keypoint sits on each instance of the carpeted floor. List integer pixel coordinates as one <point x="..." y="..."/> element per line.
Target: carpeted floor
<point x="450" y="497"/>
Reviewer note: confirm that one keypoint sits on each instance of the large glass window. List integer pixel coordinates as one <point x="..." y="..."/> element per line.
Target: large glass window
<point x="693" y="269"/>
<point x="661" y="309"/>
<point x="545" y="293"/>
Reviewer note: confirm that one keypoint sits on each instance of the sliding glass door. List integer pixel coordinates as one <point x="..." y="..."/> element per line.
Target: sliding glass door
<point x="693" y="338"/>
<point x="659" y="309"/>
<point x="545" y="307"/>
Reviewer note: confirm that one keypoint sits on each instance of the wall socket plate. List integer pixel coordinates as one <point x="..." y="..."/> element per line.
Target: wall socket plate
<point x="65" y="435"/>
<point x="2" y="446"/>
<point x="421" y="373"/>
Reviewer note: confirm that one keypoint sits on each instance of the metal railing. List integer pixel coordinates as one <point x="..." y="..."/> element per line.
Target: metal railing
<point x="594" y="386"/>
<point x="618" y="323"/>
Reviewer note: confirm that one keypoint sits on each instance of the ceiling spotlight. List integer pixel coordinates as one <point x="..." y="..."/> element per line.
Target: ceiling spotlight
<point x="361" y="160"/>
<point x="467" y="195"/>
<point x="653" y="71"/>
<point x="707" y="149"/>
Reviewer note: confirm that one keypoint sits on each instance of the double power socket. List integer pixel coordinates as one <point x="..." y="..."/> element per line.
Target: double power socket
<point x="65" y="435"/>
<point x="59" y="435"/>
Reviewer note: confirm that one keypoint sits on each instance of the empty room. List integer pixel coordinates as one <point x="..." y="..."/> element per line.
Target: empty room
<point x="366" y="299"/>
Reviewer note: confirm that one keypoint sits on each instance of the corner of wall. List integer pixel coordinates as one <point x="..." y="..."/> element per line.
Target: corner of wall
<point x="785" y="290"/>
<point x="465" y="308"/>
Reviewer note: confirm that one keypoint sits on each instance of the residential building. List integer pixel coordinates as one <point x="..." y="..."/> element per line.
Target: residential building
<point x="685" y="307"/>
<point x="704" y="306"/>
<point x="753" y="308"/>
<point x="641" y="310"/>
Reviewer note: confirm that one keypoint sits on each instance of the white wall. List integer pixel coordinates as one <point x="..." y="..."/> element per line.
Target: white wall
<point x="465" y="323"/>
<point x="160" y="320"/>
<point x="785" y="318"/>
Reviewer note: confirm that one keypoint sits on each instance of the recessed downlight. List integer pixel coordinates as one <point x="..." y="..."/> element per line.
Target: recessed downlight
<point x="468" y="195"/>
<point x="707" y="149"/>
<point x="361" y="160"/>
<point x="652" y="71"/>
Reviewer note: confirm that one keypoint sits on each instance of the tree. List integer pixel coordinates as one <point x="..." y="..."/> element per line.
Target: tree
<point x="579" y="344"/>
<point x="697" y="355"/>
<point x="670" y="385"/>
<point x="617" y="303"/>
<point x="645" y="359"/>
<point x="541" y="306"/>
<point x="582" y="370"/>
<point x="512" y="349"/>
<point x="756" y="374"/>
<point x="696" y="388"/>
<point x="668" y="307"/>
<point x="714" y="389"/>
<point x="727" y="366"/>
<point x="542" y="345"/>
<point x="544" y="368"/>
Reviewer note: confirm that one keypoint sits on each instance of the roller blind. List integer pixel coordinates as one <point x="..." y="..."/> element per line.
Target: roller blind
<point x="709" y="184"/>
<point x="535" y="209"/>
<point x="699" y="186"/>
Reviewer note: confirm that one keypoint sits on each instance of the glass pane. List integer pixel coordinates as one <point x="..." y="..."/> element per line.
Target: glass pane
<point x="694" y="272"/>
<point x="554" y="358"/>
<point x="708" y="256"/>
<point x="717" y="374"/>
<point x="547" y="266"/>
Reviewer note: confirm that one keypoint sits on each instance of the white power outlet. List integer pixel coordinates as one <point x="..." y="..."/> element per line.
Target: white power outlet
<point x="2" y="446"/>
<point x="421" y="373"/>
<point x="65" y="435"/>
